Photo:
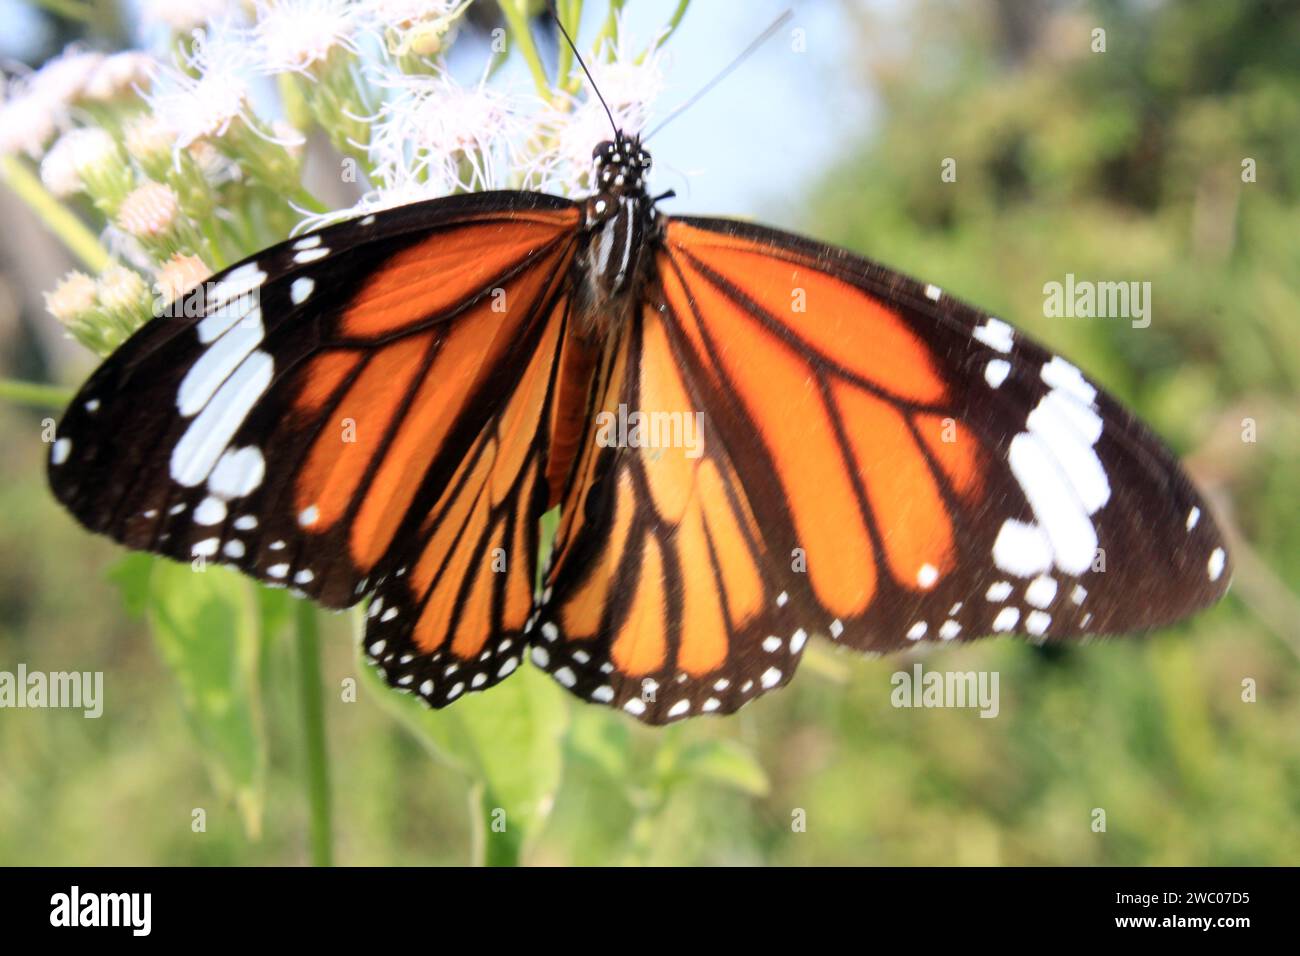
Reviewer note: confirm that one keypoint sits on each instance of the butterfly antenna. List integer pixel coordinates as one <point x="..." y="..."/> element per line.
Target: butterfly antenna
<point x="550" y="8"/>
<point x="744" y="55"/>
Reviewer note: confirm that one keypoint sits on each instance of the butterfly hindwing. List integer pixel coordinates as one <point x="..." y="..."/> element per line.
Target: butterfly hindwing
<point x="660" y="599"/>
<point x="450" y="608"/>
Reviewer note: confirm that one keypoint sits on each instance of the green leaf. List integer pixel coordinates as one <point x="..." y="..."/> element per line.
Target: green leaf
<point x="130" y="576"/>
<point x="509" y="742"/>
<point x="205" y="625"/>
<point x="721" y="761"/>
<point x="602" y="739"/>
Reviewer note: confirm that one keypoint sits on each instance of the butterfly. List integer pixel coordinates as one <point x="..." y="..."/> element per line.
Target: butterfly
<point x="751" y="437"/>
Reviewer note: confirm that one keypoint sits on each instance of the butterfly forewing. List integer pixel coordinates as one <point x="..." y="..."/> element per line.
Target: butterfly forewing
<point x="324" y="386"/>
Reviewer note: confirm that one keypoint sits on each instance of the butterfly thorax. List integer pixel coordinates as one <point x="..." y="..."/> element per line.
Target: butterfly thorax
<point x="619" y="227"/>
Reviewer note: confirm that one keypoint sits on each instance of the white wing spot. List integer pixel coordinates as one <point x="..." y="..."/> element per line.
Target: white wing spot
<point x="679" y="708"/>
<point x="1041" y="591"/>
<point x="771" y="677"/>
<point x="1022" y="549"/>
<point x="996" y="334"/>
<point x="309" y="516"/>
<point x="1006" y="619"/>
<point x="996" y="372"/>
<point x="238" y="472"/>
<point x="949" y="629"/>
<point x="209" y="434"/>
<point x="772" y="644"/>
<point x="214" y="366"/>
<point x="1037" y="622"/>
<point x="233" y="549"/>
<point x="917" y="631"/>
<point x="1215" y="564"/>
<point x="311" y="255"/>
<point x="300" y="289"/>
<point x="277" y="570"/>
<point x="59" y="453"/>
<point x="932" y="292"/>
<point x="797" y="640"/>
<point x="210" y="511"/>
<point x="998" y="591"/>
<point x="1193" y="516"/>
<point x="927" y="575"/>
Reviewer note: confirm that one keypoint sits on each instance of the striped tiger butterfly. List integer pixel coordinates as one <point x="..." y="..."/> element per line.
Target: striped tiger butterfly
<point x="751" y="437"/>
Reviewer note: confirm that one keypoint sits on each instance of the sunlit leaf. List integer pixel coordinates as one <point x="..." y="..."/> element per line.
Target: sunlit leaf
<point x="510" y="742"/>
<point x="205" y="625"/>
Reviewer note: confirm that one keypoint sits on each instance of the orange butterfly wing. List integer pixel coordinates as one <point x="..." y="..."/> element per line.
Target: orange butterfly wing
<point x="897" y="467"/>
<point x="308" y="423"/>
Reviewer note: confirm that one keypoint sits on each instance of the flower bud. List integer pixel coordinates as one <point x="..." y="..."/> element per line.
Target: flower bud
<point x="124" y="298"/>
<point x="73" y="299"/>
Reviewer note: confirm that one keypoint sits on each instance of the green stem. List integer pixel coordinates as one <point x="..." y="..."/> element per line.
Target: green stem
<point x="673" y="23"/>
<point x="60" y="220"/>
<point x="69" y="9"/>
<point x="35" y="394"/>
<point x="517" y="20"/>
<point x="570" y="15"/>
<point x="311" y="698"/>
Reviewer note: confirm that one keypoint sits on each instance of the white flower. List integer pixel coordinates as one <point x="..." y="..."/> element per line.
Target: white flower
<point x="433" y="130"/>
<point x="294" y="34"/>
<point x="63" y="79"/>
<point x="178" y="275"/>
<point x="120" y="73"/>
<point x="33" y="108"/>
<point x="74" y="297"/>
<point x="402" y="14"/>
<point x="214" y="89"/>
<point x="26" y="124"/>
<point x="59" y="167"/>
<point x="194" y="108"/>
<point x="182" y="16"/>
<point x="147" y="139"/>
<point x="79" y="154"/>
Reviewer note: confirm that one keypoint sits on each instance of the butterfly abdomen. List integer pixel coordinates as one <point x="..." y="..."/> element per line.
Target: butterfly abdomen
<point x="619" y="227"/>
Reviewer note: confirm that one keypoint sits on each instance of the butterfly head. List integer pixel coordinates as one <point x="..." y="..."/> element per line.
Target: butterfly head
<point x="621" y="167"/>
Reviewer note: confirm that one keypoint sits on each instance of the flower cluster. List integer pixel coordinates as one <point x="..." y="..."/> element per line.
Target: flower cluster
<point x="178" y="164"/>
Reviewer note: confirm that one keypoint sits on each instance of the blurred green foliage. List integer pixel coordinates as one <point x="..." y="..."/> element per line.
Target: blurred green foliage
<point x="1125" y="164"/>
